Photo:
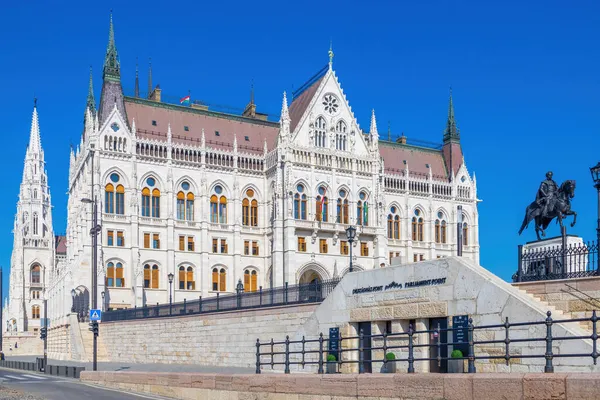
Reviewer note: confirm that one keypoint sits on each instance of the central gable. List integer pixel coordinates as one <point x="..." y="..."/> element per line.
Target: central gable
<point x="321" y="117"/>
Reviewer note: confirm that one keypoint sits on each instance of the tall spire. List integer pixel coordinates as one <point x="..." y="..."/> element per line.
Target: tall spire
<point x="149" y="77"/>
<point x="35" y="146"/>
<point x="112" y="67"/>
<point x="137" y="80"/>
<point x="451" y="133"/>
<point x="91" y="102"/>
<point x="373" y="129"/>
<point x="284" y="120"/>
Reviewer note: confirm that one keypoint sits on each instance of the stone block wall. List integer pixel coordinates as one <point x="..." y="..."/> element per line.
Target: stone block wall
<point x="59" y="346"/>
<point x="26" y="345"/>
<point x="225" y="339"/>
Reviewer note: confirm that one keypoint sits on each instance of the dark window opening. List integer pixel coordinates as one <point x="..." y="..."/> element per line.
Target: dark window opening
<point x="247" y="138"/>
<point x="153" y="123"/>
<point x="217" y="133"/>
<point x="186" y="128"/>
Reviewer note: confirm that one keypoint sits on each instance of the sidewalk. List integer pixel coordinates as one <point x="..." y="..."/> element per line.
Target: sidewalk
<point x="123" y="366"/>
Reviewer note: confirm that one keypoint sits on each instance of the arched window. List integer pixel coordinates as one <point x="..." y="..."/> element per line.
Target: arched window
<point x="110" y="274"/>
<point x="417" y="226"/>
<point x="109" y="199"/>
<point x="186" y="278"/>
<point x="120" y="200"/>
<point x="35" y="312"/>
<point x="342" y="207"/>
<point x="36" y="274"/>
<point x="151" y="274"/>
<point x="393" y="221"/>
<point x="322" y="205"/>
<point x="120" y="280"/>
<point x="440" y="228"/>
<point x="465" y="233"/>
<point x="320" y="132"/>
<point x="250" y="209"/>
<point x="145" y="202"/>
<point x="218" y="206"/>
<point x="185" y="202"/>
<point x="250" y="280"/>
<point x="300" y="203"/>
<point x="219" y="280"/>
<point x="35" y="223"/>
<point x="362" y="210"/>
<point x="340" y="135"/>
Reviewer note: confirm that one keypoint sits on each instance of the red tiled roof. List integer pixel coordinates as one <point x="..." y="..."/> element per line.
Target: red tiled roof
<point x="60" y="243"/>
<point x="144" y="112"/>
<point x="300" y="103"/>
<point x="457" y="156"/>
<point x="417" y="159"/>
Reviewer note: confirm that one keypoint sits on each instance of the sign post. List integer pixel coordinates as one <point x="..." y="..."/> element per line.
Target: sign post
<point x="460" y="324"/>
<point x="95" y="315"/>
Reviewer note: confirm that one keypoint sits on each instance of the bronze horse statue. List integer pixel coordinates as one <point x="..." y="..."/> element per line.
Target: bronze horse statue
<point x="558" y="206"/>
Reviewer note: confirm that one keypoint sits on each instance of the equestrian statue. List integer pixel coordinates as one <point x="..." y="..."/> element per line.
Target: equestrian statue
<point x="550" y="202"/>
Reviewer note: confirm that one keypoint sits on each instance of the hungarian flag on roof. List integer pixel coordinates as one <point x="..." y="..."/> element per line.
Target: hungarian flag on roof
<point x="185" y="100"/>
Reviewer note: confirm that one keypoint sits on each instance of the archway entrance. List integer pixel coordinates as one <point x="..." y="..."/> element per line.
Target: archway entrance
<point x="310" y="276"/>
<point x="81" y="302"/>
<point x="310" y="288"/>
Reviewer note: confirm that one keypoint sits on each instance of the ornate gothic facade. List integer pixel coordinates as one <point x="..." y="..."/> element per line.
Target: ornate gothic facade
<point x="214" y="198"/>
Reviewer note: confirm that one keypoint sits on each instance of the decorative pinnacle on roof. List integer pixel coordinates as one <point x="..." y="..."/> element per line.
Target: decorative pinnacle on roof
<point x="91" y="102"/>
<point x="452" y="133"/>
<point x="373" y="129"/>
<point x="35" y="145"/>
<point x="112" y="68"/>
<point x="149" y="77"/>
<point x="285" y="113"/>
<point x="137" y="80"/>
<point x="330" y="53"/>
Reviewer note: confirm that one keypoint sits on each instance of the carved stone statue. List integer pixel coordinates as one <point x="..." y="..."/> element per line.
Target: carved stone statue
<point x="550" y="202"/>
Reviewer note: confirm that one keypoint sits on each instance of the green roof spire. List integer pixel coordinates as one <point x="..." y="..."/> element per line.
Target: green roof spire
<point x="451" y="133"/>
<point x="91" y="102"/>
<point x="112" y="68"/>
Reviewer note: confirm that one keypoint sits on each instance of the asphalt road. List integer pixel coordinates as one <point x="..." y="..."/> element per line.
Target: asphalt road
<point x="15" y="384"/>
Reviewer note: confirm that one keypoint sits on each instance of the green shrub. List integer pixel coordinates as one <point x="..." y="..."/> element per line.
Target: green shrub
<point x="331" y="357"/>
<point x="456" y="354"/>
<point x="390" y="356"/>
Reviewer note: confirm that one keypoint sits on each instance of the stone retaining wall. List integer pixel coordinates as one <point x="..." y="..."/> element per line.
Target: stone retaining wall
<point x="226" y="338"/>
<point x="513" y="386"/>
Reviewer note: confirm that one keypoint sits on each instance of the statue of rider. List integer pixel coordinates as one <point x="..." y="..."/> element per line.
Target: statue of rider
<point x="546" y="193"/>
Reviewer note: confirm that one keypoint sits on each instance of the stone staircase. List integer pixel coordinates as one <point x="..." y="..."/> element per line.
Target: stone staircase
<point x="87" y="338"/>
<point x="558" y="314"/>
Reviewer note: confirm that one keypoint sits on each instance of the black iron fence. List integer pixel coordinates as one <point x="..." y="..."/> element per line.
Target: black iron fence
<point x="314" y="292"/>
<point x="559" y="262"/>
<point x="359" y="349"/>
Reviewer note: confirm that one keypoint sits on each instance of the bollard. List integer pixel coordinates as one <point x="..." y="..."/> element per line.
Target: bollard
<point x="184" y="307"/>
<point x="361" y="356"/>
<point x="257" y="356"/>
<point x="287" y="354"/>
<point x="549" y="368"/>
<point x="411" y="358"/>
<point x="320" y="353"/>
<point x="471" y="368"/>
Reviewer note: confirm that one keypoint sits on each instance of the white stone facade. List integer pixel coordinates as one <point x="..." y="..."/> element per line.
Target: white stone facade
<point x="317" y="143"/>
<point x="33" y="258"/>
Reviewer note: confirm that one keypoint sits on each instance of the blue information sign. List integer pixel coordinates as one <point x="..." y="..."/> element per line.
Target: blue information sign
<point x="96" y="315"/>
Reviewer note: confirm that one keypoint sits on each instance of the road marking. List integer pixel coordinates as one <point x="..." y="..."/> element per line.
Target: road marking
<point x="35" y="377"/>
<point x="15" y="377"/>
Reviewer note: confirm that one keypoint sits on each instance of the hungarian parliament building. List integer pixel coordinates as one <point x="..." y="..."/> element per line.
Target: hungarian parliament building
<point x="192" y="201"/>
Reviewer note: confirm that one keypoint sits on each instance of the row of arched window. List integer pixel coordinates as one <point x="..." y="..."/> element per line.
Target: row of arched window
<point x="322" y="206"/>
<point x="115" y="202"/>
<point x="417" y="224"/>
<point x="186" y="281"/>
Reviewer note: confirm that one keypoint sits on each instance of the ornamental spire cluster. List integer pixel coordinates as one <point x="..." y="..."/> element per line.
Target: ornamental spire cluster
<point x="35" y="145"/>
<point x="451" y="133"/>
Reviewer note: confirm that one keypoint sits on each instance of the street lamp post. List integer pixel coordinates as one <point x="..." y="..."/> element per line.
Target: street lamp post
<point x="595" y="171"/>
<point x="350" y="234"/>
<point x="170" y="276"/>
<point x="94" y="231"/>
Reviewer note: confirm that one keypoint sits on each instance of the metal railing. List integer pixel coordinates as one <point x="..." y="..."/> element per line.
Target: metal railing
<point x="314" y="351"/>
<point x="559" y="262"/>
<point x="314" y="292"/>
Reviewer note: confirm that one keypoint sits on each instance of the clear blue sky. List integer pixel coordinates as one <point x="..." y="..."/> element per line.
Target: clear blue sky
<point x="525" y="77"/>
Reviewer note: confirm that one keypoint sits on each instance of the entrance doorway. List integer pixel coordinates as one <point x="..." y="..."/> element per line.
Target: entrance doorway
<point x="365" y="327"/>
<point x="434" y="339"/>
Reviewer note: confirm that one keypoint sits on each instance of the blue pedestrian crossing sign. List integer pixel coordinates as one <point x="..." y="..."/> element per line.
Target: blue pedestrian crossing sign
<point x="96" y="315"/>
